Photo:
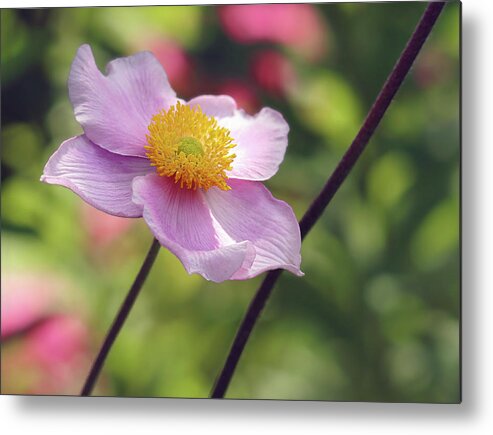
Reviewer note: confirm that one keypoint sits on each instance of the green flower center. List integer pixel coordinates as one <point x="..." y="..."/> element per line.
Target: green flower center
<point x="190" y="145"/>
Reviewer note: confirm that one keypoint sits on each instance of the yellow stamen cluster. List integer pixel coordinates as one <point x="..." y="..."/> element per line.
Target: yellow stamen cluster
<point x="191" y="147"/>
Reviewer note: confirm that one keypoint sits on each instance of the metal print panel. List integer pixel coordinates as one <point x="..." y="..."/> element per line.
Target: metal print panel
<point x="236" y="201"/>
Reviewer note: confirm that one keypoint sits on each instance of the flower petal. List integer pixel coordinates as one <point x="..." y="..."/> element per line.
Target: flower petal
<point x="101" y="178"/>
<point x="261" y="142"/>
<point x="115" y="110"/>
<point x="181" y="221"/>
<point x="218" y="106"/>
<point x="249" y="212"/>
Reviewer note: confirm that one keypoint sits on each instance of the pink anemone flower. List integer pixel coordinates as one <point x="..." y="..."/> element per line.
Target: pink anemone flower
<point x="192" y="170"/>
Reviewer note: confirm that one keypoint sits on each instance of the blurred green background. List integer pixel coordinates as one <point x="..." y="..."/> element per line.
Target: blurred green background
<point x="376" y="318"/>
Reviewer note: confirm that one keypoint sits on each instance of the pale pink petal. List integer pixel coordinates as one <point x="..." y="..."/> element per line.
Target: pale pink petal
<point x="249" y="212"/>
<point x="181" y="221"/>
<point x="115" y="110"/>
<point x="261" y="142"/>
<point x="218" y="106"/>
<point x="101" y="178"/>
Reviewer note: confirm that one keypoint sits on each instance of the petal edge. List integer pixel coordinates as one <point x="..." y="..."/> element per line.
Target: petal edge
<point x="182" y="223"/>
<point x="250" y="212"/>
<point x="116" y="109"/>
<point x="102" y="179"/>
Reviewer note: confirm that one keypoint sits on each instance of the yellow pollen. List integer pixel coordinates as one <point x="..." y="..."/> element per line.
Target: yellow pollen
<point x="191" y="147"/>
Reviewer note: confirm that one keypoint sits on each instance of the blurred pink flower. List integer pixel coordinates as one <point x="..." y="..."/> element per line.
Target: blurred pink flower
<point x="51" y="358"/>
<point x="102" y="228"/>
<point x="146" y="153"/>
<point x="273" y="72"/>
<point x="177" y="63"/>
<point x="58" y="340"/>
<point x="49" y="350"/>
<point x="59" y="348"/>
<point x="242" y="92"/>
<point x="25" y="300"/>
<point x="298" y="26"/>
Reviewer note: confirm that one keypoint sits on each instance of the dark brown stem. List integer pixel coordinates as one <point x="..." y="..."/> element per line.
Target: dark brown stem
<point x="120" y="318"/>
<point x="384" y="98"/>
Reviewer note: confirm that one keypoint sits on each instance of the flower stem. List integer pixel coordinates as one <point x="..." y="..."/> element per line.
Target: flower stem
<point x="120" y="318"/>
<point x="381" y="104"/>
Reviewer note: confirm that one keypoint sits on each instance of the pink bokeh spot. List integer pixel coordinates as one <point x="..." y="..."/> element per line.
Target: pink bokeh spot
<point x="177" y="63"/>
<point x="102" y="228"/>
<point x="298" y="26"/>
<point x="51" y="358"/>
<point x="50" y="346"/>
<point x="273" y="72"/>
<point x="243" y="93"/>
<point x="58" y="341"/>
<point x="25" y="300"/>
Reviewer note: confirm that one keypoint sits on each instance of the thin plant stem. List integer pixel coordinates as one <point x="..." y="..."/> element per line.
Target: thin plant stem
<point x="314" y="212"/>
<point x="120" y="318"/>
